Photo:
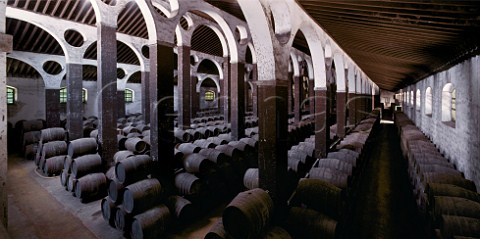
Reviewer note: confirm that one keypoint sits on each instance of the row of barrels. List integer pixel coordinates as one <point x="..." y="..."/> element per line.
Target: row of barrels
<point x="448" y="202"/>
<point x="51" y="151"/>
<point x="30" y="132"/>
<point x="137" y="203"/>
<point x="249" y="215"/>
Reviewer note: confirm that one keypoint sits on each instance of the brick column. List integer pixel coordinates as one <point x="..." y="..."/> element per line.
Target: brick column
<point x="5" y="46"/>
<point x="237" y="94"/>
<point x="272" y="146"/>
<point x="341" y="108"/>
<point x="297" y="112"/>
<point x="52" y="107"/>
<point x="107" y="90"/>
<point x="311" y="95"/>
<point x="254" y="91"/>
<point x="74" y="100"/>
<point x="184" y="87"/>
<point x="351" y="109"/>
<point x="195" y="97"/>
<point x="161" y="103"/>
<point x="145" y="96"/>
<point x="289" y="92"/>
<point x="225" y="90"/>
<point x="121" y="103"/>
<point x="322" y="131"/>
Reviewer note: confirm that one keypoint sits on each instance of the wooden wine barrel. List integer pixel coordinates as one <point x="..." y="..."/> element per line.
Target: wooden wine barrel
<point x="276" y="233"/>
<point x="214" y="155"/>
<point x="217" y="140"/>
<point x="123" y="220"/>
<point x="449" y="179"/>
<point x="30" y="151"/>
<point x="121" y="155"/>
<point x="319" y="195"/>
<point x="296" y="165"/>
<point x="32" y="125"/>
<point x="133" y="168"/>
<point x="108" y="211"/>
<point x="181" y="209"/>
<point x="86" y="164"/>
<point x="337" y="164"/>
<point x="203" y="143"/>
<point x="151" y="224"/>
<point x="183" y="136"/>
<point x="64" y="178"/>
<point x="121" y="142"/>
<point x="459" y="226"/>
<point x="230" y="151"/>
<point x="188" y="148"/>
<point x="82" y="146"/>
<point x="330" y="175"/>
<point x="31" y="137"/>
<point x="300" y="155"/>
<point x="251" y="142"/>
<point x="115" y="191"/>
<point x="309" y="224"/>
<point x="217" y="231"/>
<point x="53" y="148"/>
<point x="248" y="214"/>
<point x="140" y="196"/>
<point x="197" y="163"/>
<point x="187" y="184"/>
<point x="136" y="145"/>
<point x="54" y="165"/>
<point x="443" y="205"/>
<point x="438" y="189"/>
<point x="250" y="179"/>
<point x="91" y="186"/>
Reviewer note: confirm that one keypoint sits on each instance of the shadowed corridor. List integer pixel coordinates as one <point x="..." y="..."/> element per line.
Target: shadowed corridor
<point x="383" y="204"/>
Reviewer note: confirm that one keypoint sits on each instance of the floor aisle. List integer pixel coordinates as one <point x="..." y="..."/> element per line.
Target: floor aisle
<point x="383" y="205"/>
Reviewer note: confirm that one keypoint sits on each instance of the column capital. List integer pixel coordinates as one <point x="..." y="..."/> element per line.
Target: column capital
<point x="6" y="43"/>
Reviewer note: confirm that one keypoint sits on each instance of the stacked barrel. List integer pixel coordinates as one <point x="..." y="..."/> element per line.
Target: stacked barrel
<point x="248" y="215"/>
<point x="449" y="203"/>
<point x="30" y="136"/>
<point x="133" y="135"/>
<point x="52" y="151"/>
<point x="320" y="201"/>
<point x="83" y="173"/>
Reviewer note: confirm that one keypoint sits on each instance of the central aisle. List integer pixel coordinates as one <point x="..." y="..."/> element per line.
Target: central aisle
<point x="383" y="205"/>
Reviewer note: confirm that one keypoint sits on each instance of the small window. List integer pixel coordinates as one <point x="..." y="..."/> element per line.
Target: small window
<point x="63" y="95"/>
<point x="11" y="95"/>
<point x="128" y="95"/>
<point x="209" y="95"/>
<point x="417" y="100"/>
<point x="428" y="101"/>
<point x="454" y="105"/>
<point x="411" y="98"/>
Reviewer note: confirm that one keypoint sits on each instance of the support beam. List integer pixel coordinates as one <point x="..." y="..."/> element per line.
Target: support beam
<point x="351" y="109"/>
<point x="237" y="94"/>
<point x="121" y="103"/>
<point x="195" y="97"/>
<point x="184" y="87"/>
<point x="225" y="90"/>
<point x="161" y="111"/>
<point x="107" y="91"/>
<point x="145" y="96"/>
<point x="6" y="47"/>
<point x="341" y="112"/>
<point x="311" y="96"/>
<point x="74" y="101"/>
<point x="322" y="131"/>
<point x="297" y="112"/>
<point x="52" y="107"/>
<point x="272" y="146"/>
<point x="255" y="91"/>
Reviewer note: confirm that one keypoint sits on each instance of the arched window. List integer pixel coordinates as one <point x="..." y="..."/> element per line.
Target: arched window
<point x="449" y="107"/>
<point x="417" y="100"/>
<point x="11" y="95"/>
<point x="428" y="101"/>
<point x="129" y="94"/>
<point x="411" y="98"/>
<point x="63" y="95"/>
<point x="209" y="95"/>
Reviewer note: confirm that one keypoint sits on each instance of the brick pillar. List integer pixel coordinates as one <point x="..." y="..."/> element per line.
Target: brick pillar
<point x="352" y="109"/>
<point x="358" y="107"/>
<point x="322" y="131"/>
<point x="145" y="96"/>
<point x="225" y="91"/>
<point x="5" y="46"/>
<point x="184" y="87"/>
<point x="195" y="97"/>
<point x="74" y="100"/>
<point x="237" y="94"/>
<point x="107" y="91"/>
<point x="121" y="103"/>
<point x="161" y="102"/>
<point x="311" y="95"/>
<point x="289" y="92"/>
<point x="297" y="112"/>
<point x="52" y="107"/>
<point x="254" y="91"/>
<point x="272" y="144"/>
<point x="341" y="108"/>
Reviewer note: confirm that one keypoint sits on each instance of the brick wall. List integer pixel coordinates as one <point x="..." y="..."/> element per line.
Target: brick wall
<point x="460" y="143"/>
